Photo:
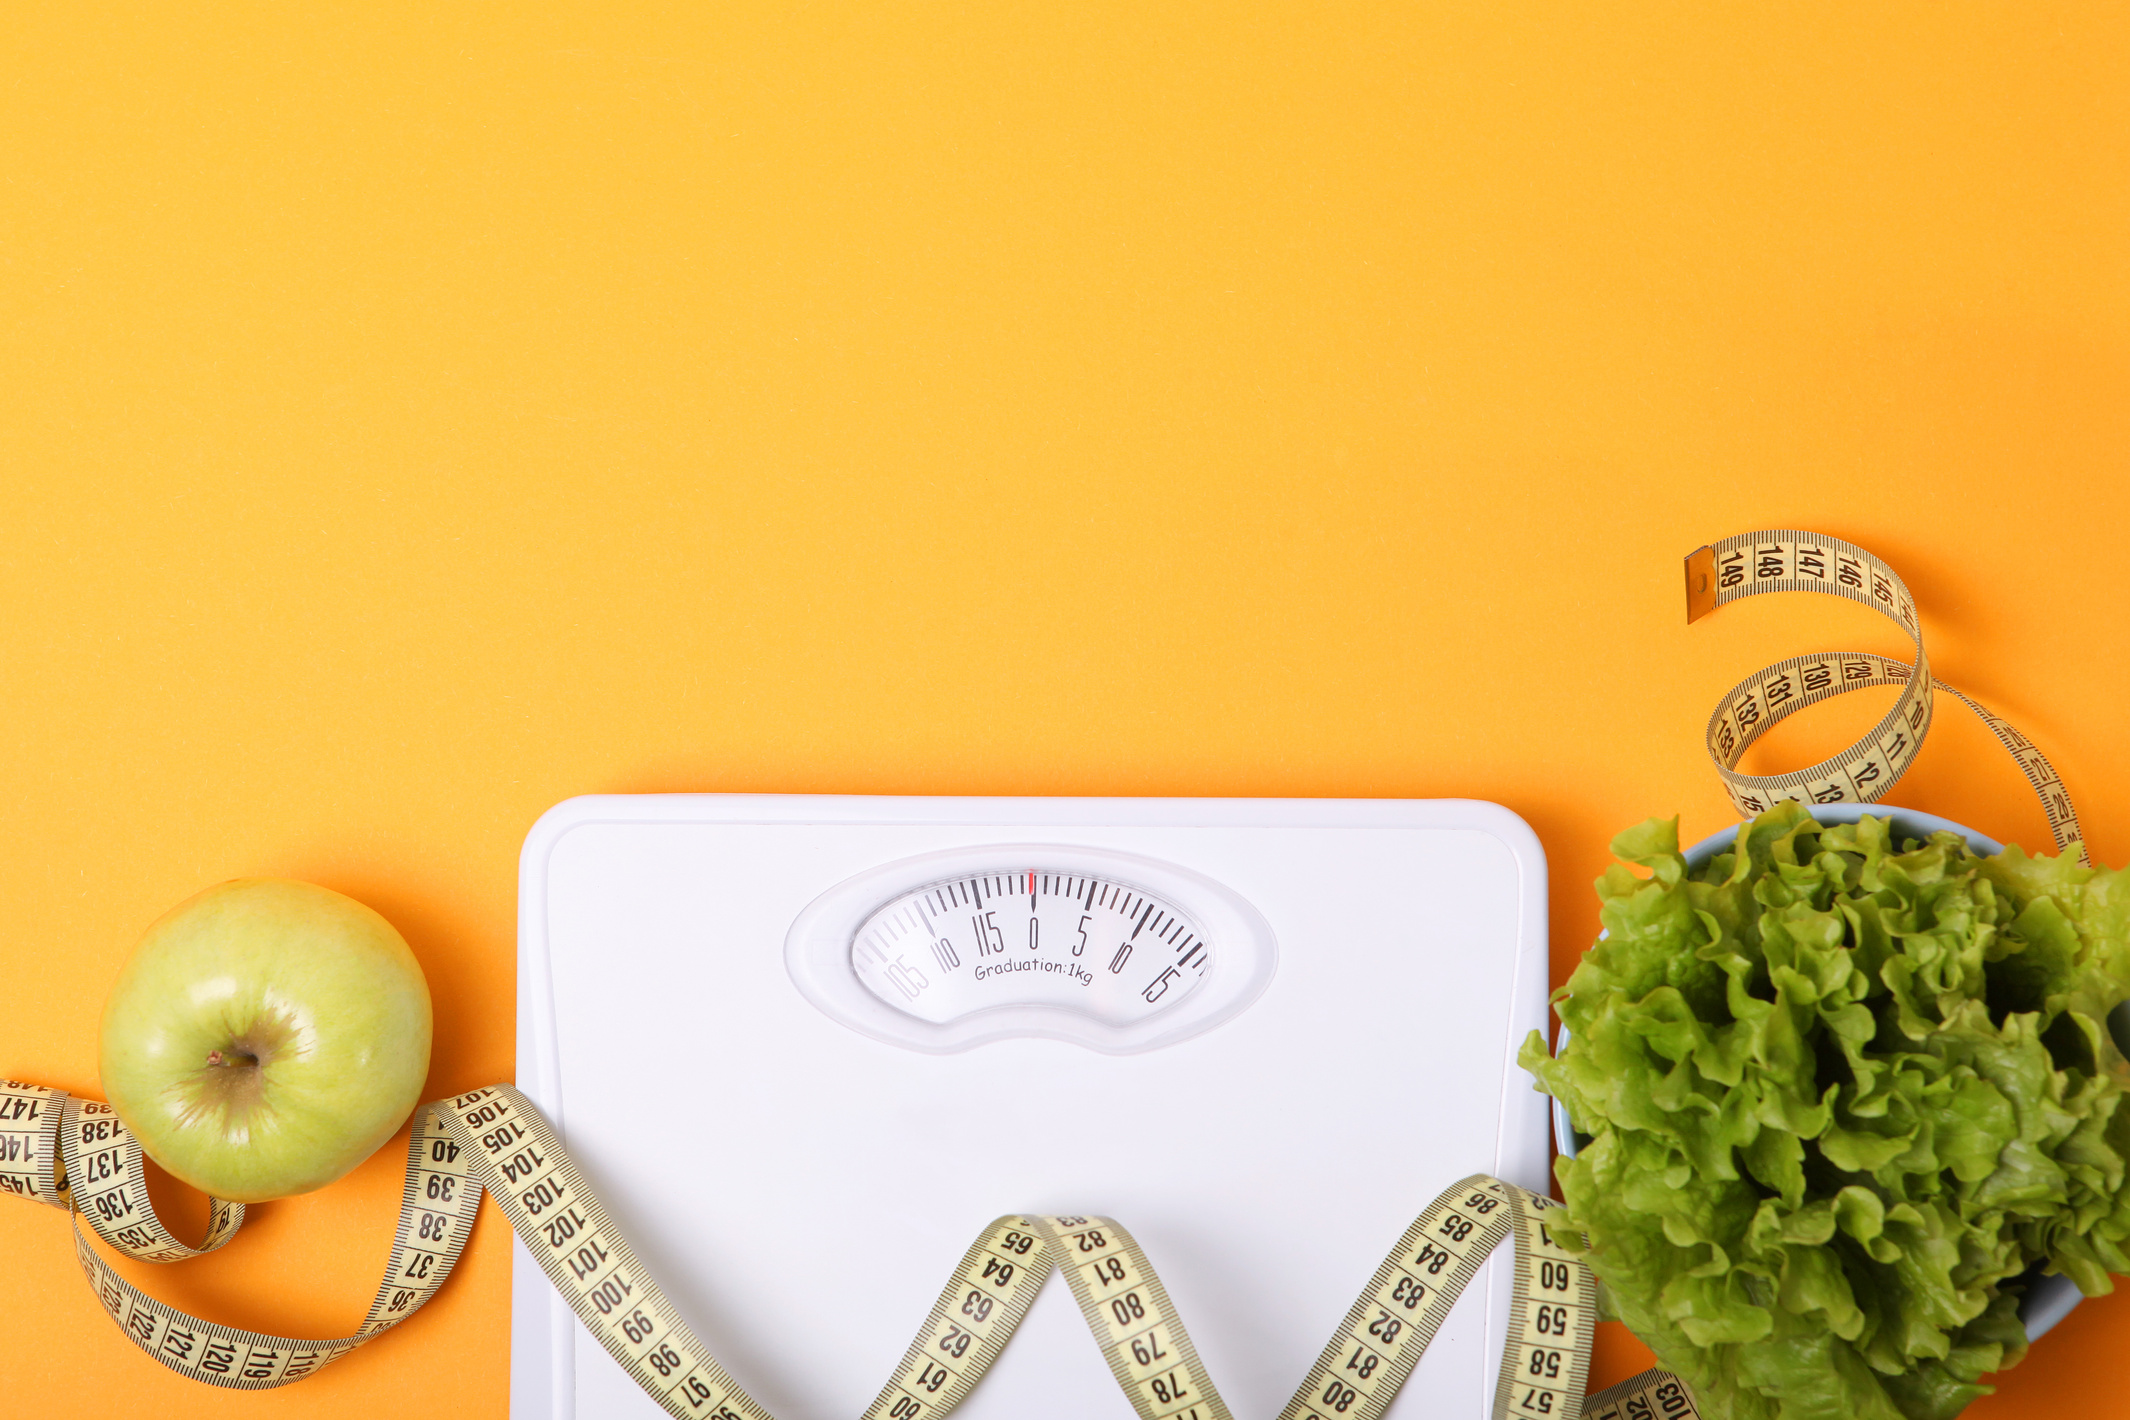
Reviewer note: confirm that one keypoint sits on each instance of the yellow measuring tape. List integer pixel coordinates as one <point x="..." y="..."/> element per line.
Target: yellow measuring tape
<point x="1756" y="563"/>
<point x="77" y="1155"/>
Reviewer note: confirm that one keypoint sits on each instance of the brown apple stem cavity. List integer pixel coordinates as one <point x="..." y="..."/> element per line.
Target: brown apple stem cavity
<point x="225" y="1090"/>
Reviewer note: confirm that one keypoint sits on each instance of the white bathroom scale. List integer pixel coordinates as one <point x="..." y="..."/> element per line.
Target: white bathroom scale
<point x="1262" y="1034"/>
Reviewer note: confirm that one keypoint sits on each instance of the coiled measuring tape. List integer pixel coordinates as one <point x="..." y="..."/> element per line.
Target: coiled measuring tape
<point x="77" y="1154"/>
<point x="1756" y="563"/>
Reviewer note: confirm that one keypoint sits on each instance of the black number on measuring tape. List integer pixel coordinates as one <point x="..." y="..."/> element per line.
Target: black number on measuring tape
<point x="419" y="1266"/>
<point x="932" y="1377"/>
<point x="1410" y="1292"/>
<point x="1456" y="1227"/>
<point x="904" y="1408"/>
<point x="1550" y="1320"/>
<point x="440" y="1187"/>
<point x="1538" y="1402"/>
<point x="997" y="1273"/>
<point x="1128" y="1308"/>
<point x="664" y="1360"/>
<point x="1017" y="1243"/>
<point x="1148" y="1349"/>
<point x="1338" y="1396"/>
<point x="1553" y="1276"/>
<point x="1169" y="1387"/>
<point x="562" y="1227"/>
<point x="1091" y="1240"/>
<point x="433" y="1227"/>
<point x="610" y="1294"/>
<point x="541" y="1195"/>
<point x="522" y="1164"/>
<point x="977" y="1305"/>
<point x="1385" y="1327"/>
<point x="1545" y="1363"/>
<point x="1108" y="1270"/>
<point x="956" y="1341"/>
<point x="1433" y="1258"/>
<point x="1363" y="1362"/>
<point x="1481" y="1203"/>
<point x="587" y="1259"/>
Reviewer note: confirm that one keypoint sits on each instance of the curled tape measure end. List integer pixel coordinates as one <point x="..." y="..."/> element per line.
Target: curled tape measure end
<point x="1700" y="583"/>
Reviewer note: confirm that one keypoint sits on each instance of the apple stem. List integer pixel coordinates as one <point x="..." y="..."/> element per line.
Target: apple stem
<point x="214" y="1057"/>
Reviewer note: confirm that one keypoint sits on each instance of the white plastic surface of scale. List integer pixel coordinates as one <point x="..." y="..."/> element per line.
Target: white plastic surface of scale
<point x="1265" y="1165"/>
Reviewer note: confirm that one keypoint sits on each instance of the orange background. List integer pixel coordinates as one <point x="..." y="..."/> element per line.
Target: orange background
<point x="414" y="415"/>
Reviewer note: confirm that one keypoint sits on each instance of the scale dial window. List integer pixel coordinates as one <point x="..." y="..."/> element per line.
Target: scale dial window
<point x="1118" y="952"/>
<point x="1110" y="949"/>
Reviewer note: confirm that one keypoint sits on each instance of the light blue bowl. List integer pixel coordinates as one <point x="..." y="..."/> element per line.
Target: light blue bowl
<point x="2048" y="1298"/>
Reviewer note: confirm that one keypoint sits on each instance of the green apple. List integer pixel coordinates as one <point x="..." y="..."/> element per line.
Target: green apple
<point x="265" y="1038"/>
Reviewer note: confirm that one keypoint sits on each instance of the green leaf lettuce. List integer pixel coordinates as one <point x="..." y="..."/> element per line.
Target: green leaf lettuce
<point x="1840" y="1092"/>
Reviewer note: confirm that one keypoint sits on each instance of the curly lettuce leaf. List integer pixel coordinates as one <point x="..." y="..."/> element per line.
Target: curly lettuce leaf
<point x="1841" y="1091"/>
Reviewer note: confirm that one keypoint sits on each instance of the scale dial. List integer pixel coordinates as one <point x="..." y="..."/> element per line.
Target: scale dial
<point x="999" y="941"/>
<point x="1110" y="949"/>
